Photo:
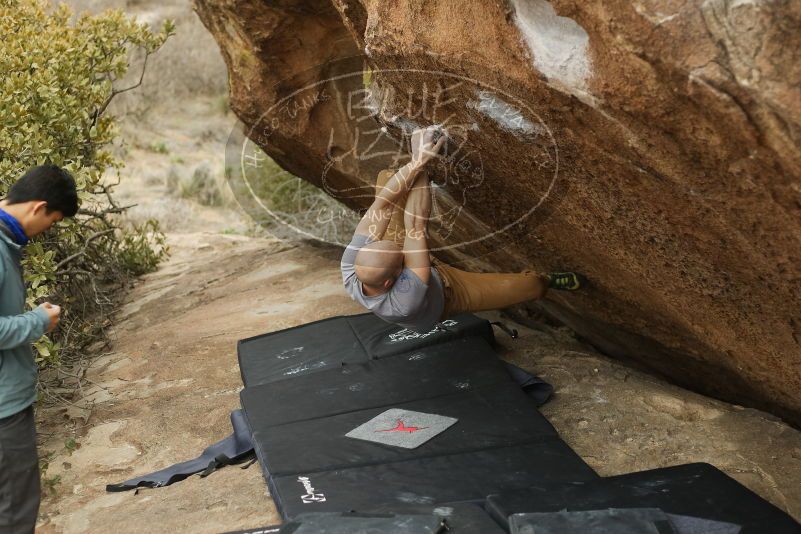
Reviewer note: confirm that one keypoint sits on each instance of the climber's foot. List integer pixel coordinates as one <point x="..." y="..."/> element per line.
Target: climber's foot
<point x="565" y="281"/>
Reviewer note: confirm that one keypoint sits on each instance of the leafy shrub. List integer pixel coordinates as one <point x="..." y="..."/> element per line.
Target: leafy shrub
<point x="59" y="77"/>
<point x="159" y="147"/>
<point x="286" y="205"/>
<point x="202" y="186"/>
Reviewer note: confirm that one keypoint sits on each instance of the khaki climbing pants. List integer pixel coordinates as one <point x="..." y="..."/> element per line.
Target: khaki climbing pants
<point x="466" y="291"/>
<point x="474" y="292"/>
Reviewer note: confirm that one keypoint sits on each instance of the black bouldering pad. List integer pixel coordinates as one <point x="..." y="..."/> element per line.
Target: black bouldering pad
<point x="432" y="371"/>
<point x="460" y="518"/>
<point x="299" y="350"/>
<point x="381" y="339"/>
<point x="608" y="521"/>
<point x="696" y="490"/>
<point x="358" y="523"/>
<point x="490" y="416"/>
<point x="428" y="480"/>
<point x="617" y="521"/>
<point x="307" y="387"/>
<point x="329" y="343"/>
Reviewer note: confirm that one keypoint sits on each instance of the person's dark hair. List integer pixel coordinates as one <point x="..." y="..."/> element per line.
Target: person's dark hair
<point x="50" y="183"/>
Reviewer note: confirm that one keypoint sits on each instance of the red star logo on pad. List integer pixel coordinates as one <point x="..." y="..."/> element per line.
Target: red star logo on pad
<point x="403" y="428"/>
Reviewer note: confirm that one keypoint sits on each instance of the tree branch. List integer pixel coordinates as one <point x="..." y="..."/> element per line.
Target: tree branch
<point x="81" y="252"/>
<point x="113" y="209"/>
<point x="115" y="92"/>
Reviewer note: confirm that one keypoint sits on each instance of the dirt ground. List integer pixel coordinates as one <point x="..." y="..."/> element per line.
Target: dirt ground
<point x="165" y="390"/>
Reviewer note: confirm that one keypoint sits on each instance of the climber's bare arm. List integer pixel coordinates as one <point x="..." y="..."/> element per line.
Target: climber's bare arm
<point x="376" y="219"/>
<point x="415" y="219"/>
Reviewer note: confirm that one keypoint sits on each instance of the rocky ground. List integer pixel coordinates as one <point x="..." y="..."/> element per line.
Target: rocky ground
<point x="165" y="390"/>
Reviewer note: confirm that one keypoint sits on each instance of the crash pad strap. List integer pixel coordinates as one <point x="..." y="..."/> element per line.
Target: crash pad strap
<point x="535" y="387"/>
<point x="234" y="449"/>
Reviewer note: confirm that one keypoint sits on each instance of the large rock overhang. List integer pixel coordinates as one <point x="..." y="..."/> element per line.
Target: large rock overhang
<point x="653" y="146"/>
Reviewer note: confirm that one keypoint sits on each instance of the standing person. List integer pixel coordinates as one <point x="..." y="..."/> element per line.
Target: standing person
<point x="43" y="196"/>
<point x="388" y="269"/>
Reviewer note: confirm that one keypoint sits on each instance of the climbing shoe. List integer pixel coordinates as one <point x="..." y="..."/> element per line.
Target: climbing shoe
<point x="567" y="281"/>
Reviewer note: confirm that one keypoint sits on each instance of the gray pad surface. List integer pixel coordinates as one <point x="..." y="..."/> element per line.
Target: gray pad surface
<point x="684" y="524"/>
<point x="610" y="521"/>
<point x="450" y="367"/>
<point x="460" y="518"/>
<point x="329" y="343"/>
<point x="694" y="490"/>
<point x="429" y="480"/>
<point x="488" y="417"/>
<point x="402" y="428"/>
<point x="616" y="521"/>
<point x="364" y="524"/>
<point x="306" y="388"/>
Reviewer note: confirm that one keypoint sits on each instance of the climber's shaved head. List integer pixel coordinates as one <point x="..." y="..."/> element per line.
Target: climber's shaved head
<point x="378" y="264"/>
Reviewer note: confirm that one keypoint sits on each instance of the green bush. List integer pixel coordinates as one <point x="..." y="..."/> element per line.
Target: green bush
<point x="58" y="78"/>
<point x="159" y="147"/>
<point x="279" y="190"/>
<point x="202" y="187"/>
<point x="285" y="204"/>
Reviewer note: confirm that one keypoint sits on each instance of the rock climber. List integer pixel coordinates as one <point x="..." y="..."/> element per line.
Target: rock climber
<point x="387" y="267"/>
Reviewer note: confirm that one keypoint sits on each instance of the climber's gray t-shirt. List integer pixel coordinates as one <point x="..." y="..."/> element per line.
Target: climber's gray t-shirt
<point x="409" y="302"/>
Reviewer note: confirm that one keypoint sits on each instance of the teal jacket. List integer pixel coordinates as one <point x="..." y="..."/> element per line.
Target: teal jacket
<point x="18" y="329"/>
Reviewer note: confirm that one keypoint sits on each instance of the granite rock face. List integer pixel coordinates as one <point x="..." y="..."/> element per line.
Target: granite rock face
<point x="654" y="145"/>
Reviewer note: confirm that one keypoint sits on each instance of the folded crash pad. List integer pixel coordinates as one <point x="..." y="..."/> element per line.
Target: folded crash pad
<point x="428" y="372"/>
<point x="609" y="521"/>
<point x="454" y="518"/>
<point x="353" y="523"/>
<point x="329" y="343"/>
<point x="460" y="518"/>
<point x="616" y="521"/>
<point x="696" y="490"/>
<point x="381" y="339"/>
<point x="309" y="388"/>
<point x="425" y="480"/>
<point x="299" y="350"/>
<point x="490" y="416"/>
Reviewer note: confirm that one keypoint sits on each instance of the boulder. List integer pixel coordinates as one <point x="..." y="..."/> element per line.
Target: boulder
<point x="652" y="145"/>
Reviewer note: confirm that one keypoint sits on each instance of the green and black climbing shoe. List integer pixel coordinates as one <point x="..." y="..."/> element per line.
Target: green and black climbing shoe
<point x="565" y="281"/>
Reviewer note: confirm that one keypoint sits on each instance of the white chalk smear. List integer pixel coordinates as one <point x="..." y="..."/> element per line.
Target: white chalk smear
<point x="559" y="46"/>
<point x="504" y="114"/>
<point x="303" y="368"/>
<point x="289" y="353"/>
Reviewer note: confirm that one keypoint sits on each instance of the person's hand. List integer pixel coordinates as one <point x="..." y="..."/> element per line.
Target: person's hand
<point x="426" y="145"/>
<point x="53" y="312"/>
